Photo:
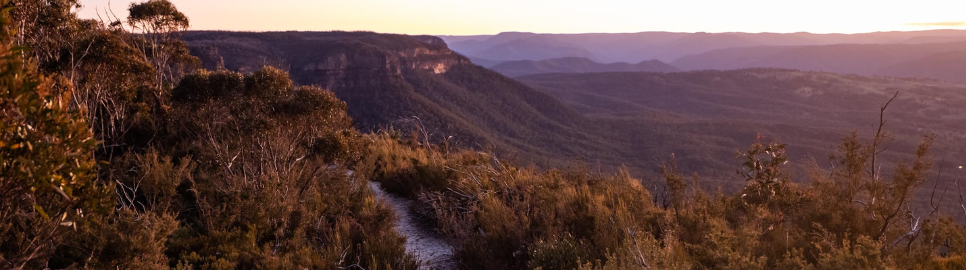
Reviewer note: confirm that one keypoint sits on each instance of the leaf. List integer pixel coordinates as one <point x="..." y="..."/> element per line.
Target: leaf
<point x="40" y="210"/>
<point x="61" y="192"/>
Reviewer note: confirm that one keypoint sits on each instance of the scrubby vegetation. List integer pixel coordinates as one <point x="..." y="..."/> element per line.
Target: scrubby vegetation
<point x="116" y="155"/>
<point x="853" y="216"/>
<point x="117" y="152"/>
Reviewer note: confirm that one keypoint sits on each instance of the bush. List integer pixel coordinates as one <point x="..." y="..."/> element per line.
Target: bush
<point x="314" y="98"/>
<point x="204" y="85"/>
<point x="512" y="218"/>
<point x="507" y="217"/>
<point x="268" y="82"/>
<point x="47" y="169"/>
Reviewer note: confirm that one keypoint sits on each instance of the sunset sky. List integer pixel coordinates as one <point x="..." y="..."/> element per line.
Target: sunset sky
<point x="466" y="17"/>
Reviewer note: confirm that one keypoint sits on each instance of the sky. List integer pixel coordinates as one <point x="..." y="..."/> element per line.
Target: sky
<point x="473" y="17"/>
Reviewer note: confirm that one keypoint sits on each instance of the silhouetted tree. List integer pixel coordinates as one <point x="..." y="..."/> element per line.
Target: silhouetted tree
<point x="159" y="22"/>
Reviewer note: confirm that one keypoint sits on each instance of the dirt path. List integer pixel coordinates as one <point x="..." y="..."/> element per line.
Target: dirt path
<point x="421" y="240"/>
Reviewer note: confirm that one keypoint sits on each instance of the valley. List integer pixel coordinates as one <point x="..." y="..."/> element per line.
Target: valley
<point x="576" y="65"/>
<point x="934" y="54"/>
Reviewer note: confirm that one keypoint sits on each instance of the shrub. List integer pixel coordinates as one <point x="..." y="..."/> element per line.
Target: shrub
<point x="204" y="85"/>
<point x="268" y="186"/>
<point x="47" y="168"/>
<point x="511" y="218"/>
<point x="507" y="217"/>
<point x="269" y="82"/>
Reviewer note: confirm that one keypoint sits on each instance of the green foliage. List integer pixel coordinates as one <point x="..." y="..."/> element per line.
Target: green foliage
<point x="766" y="173"/>
<point x="268" y="82"/>
<point x="223" y="171"/>
<point x="863" y="254"/>
<point x="511" y="218"/>
<point x="157" y="15"/>
<point x="955" y="262"/>
<point x="113" y="87"/>
<point x="203" y="85"/>
<point x="44" y="25"/>
<point x="268" y="187"/>
<point x="159" y="23"/>
<point x="126" y="239"/>
<point x="46" y="166"/>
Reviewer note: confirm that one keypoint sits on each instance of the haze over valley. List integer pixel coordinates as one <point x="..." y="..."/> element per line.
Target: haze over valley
<point x="934" y="54"/>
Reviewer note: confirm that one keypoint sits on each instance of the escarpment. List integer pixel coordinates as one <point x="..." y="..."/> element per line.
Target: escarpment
<point x="328" y="59"/>
<point x="407" y="81"/>
<point x="344" y="66"/>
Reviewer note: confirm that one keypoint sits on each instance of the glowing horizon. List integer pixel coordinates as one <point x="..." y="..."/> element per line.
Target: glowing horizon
<point x="441" y="17"/>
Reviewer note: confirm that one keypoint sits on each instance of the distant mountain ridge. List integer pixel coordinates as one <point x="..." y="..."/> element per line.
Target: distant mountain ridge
<point x="532" y="48"/>
<point x="942" y="61"/>
<point x="577" y="65"/>
<point x="664" y="46"/>
<point x="947" y="66"/>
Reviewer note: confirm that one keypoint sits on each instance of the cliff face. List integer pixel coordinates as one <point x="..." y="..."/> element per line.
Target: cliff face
<point x="382" y="77"/>
<point x="331" y="60"/>
<point x="437" y="61"/>
<point x="344" y="66"/>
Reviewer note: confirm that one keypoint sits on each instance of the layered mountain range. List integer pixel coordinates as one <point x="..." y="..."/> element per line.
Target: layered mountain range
<point x="931" y="54"/>
<point x="664" y="46"/>
<point x="943" y="61"/>
<point x="576" y="65"/>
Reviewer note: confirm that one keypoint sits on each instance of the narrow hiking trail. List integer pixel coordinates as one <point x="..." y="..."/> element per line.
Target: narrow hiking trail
<point x="434" y="252"/>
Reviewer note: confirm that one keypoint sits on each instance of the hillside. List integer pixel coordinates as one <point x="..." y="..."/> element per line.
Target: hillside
<point x="808" y="110"/>
<point x="532" y="49"/>
<point x="402" y="81"/>
<point x="576" y="65"/>
<point x="902" y="60"/>
<point x="948" y="66"/>
<point x="484" y="62"/>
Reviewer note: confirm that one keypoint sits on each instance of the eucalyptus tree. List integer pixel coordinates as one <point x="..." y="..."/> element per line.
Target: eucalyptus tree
<point x="158" y="23"/>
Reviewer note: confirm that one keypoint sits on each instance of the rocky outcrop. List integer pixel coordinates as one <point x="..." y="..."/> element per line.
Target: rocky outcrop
<point x="437" y="61"/>
<point x="327" y="56"/>
<point x="367" y="65"/>
<point x="383" y="77"/>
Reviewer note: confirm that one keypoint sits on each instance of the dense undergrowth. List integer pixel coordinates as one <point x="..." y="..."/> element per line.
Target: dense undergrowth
<point x="507" y="217"/>
<point x="117" y="154"/>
